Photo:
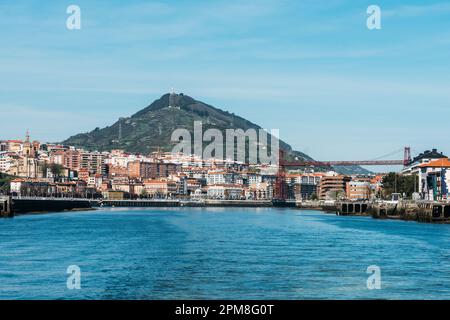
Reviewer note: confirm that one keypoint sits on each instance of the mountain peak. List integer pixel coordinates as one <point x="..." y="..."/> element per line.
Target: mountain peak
<point x="167" y="100"/>
<point x="152" y="127"/>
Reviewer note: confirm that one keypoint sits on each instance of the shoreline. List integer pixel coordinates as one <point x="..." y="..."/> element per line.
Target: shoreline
<point x="406" y="211"/>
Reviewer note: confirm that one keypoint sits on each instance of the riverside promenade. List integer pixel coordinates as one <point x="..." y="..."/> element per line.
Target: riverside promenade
<point x="11" y="206"/>
<point x="184" y="203"/>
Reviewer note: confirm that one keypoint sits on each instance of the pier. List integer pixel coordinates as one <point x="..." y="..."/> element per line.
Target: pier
<point x="23" y="205"/>
<point x="434" y="212"/>
<point x="352" y="208"/>
<point x="6" y="207"/>
<point x="431" y="212"/>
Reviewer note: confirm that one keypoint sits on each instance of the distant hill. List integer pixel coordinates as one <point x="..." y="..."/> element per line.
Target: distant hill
<point x="151" y="128"/>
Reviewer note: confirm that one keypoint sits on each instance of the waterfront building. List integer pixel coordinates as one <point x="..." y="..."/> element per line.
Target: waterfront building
<point x="122" y="185"/>
<point x="15" y="186"/>
<point x="253" y="178"/>
<point x="215" y="177"/>
<point x="333" y="186"/>
<point x="95" y="181"/>
<point x="113" y="195"/>
<point x="434" y="179"/>
<point x="376" y="183"/>
<point x="44" y="188"/>
<point x="424" y="157"/>
<point x="302" y="186"/>
<point x="35" y="187"/>
<point x="257" y="191"/>
<point x="68" y="188"/>
<point x="156" y="188"/>
<point x="305" y="191"/>
<point x="193" y="184"/>
<point x="137" y="188"/>
<point x="358" y="190"/>
<point x="225" y="191"/>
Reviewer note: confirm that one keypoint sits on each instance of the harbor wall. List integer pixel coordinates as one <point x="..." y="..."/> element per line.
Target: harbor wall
<point x="22" y="206"/>
<point x="433" y="212"/>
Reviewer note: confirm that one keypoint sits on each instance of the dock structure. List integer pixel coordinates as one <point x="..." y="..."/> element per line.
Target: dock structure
<point x="352" y="208"/>
<point x="432" y="212"/>
<point x="6" y="207"/>
<point x="436" y="212"/>
<point x="25" y="205"/>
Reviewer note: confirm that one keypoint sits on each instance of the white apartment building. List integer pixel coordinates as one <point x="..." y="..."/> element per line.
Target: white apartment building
<point x="254" y="179"/>
<point x="6" y="161"/>
<point x="215" y="177"/>
<point x="228" y="192"/>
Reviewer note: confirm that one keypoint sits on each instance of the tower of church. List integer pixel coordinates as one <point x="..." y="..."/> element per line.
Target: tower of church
<point x="27" y="146"/>
<point x="28" y="165"/>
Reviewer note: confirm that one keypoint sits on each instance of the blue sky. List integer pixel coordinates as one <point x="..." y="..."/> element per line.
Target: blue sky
<point x="335" y="89"/>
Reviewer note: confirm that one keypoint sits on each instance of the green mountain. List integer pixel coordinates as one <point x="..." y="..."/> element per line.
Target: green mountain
<point x="151" y="128"/>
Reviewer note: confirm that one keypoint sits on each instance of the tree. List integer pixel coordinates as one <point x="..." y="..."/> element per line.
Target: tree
<point x="398" y="183"/>
<point x="5" y="183"/>
<point x="335" y="194"/>
<point x="44" y="167"/>
<point x="56" y="170"/>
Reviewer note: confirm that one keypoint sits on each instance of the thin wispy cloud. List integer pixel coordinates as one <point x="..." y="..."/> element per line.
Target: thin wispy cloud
<point x="442" y="8"/>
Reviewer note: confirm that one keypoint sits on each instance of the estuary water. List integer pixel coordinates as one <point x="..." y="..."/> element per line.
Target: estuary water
<point x="221" y="253"/>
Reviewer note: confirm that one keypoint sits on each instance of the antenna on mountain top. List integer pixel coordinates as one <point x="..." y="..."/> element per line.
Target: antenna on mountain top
<point x="171" y="98"/>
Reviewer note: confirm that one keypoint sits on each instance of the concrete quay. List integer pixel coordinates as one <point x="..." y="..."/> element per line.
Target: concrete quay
<point x="422" y="211"/>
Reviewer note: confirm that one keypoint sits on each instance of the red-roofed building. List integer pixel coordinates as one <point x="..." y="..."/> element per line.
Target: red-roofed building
<point x="434" y="179"/>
